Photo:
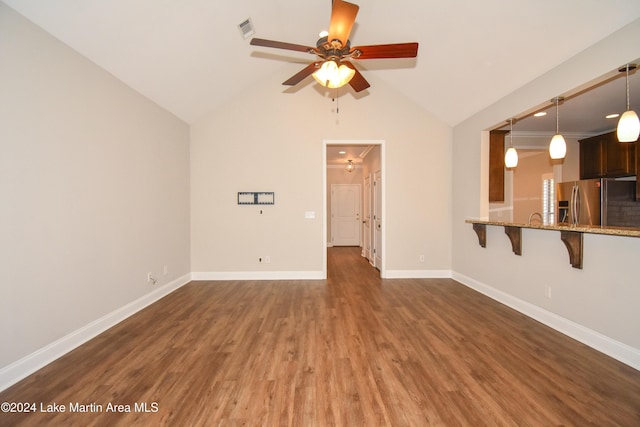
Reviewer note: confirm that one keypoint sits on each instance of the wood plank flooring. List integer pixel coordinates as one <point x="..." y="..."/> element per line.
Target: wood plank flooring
<point x="354" y="350"/>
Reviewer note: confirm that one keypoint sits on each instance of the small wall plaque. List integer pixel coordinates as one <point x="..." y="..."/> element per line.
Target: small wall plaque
<point x="256" y="198"/>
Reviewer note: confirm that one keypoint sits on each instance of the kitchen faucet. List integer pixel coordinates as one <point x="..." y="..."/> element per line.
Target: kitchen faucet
<point x="535" y="214"/>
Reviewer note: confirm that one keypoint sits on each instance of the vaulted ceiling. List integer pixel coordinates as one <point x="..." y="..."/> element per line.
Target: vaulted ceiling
<point x="190" y="57"/>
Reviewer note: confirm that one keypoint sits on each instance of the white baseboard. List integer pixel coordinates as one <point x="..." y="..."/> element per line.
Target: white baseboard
<point x="311" y="275"/>
<point x="417" y="274"/>
<point x="604" y="344"/>
<point x="24" y="367"/>
<point x="257" y="275"/>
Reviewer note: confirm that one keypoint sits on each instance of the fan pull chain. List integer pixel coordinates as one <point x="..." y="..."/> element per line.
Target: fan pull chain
<point x="336" y="99"/>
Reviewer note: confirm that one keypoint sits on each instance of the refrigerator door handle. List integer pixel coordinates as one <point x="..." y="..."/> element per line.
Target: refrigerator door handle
<point x="572" y="205"/>
<point x="576" y="205"/>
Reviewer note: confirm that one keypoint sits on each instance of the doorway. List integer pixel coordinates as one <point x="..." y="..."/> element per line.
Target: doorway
<point x="376" y="239"/>
<point x="345" y="214"/>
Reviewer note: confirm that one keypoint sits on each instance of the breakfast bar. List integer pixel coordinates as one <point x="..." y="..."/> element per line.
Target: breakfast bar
<point x="571" y="236"/>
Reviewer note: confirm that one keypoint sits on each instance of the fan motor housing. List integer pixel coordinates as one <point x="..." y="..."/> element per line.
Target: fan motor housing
<point x="333" y="49"/>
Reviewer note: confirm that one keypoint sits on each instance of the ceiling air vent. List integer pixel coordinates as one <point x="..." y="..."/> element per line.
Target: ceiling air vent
<point x="246" y="28"/>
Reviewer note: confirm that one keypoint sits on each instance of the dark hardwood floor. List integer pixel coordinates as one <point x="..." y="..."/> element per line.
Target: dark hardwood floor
<point x="354" y="350"/>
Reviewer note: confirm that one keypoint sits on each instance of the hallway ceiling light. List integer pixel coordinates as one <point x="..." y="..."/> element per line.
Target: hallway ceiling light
<point x="350" y="167"/>
<point x="511" y="156"/>
<point x="557" y="147"/>
<point x="629" y="124"/>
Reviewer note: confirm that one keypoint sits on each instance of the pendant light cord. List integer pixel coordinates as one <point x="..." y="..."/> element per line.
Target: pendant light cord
<point x="511" y="133"/>
<point x="627" y="87"/>
<point x="557" y="117"/>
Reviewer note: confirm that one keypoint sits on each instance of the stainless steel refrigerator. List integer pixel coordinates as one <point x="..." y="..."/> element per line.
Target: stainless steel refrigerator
<point x="596" y="202"/>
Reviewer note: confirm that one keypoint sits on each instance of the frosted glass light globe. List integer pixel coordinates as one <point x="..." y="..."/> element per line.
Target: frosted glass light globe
<point x="511" y="158"/>
<point x="628" y="127"/>
<point x="333" y="75"/>
<point x="557" y="147"/>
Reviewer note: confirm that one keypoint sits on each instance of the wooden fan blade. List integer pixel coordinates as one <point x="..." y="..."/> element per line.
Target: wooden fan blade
<point x="304" y="73"/>
<point x="357" y="82"/>
<point x="281" y="45"/>
<point x="343" y="15"/>
<point x="379" y="51"/>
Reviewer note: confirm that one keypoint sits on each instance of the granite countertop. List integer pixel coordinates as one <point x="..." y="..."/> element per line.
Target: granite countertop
<point x="592" y="229"/>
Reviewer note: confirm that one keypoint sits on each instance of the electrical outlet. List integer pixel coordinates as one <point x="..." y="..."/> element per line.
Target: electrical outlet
<point x="165" y="270"/>
<point x="547" y="292"/>
<point x="421" y="258"/>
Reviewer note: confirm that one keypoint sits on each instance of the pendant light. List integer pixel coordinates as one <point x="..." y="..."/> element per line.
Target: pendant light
<point x="511" y="156"/>
<point x="628" y="125"/>
<point x="350" y="167"/>
<point x="557" y="147"/>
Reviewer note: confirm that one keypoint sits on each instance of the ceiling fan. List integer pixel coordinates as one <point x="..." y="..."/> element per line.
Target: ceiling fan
<point x="333" y="50"/>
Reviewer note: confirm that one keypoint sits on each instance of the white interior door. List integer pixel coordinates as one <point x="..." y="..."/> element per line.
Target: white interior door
<point x="366" y="222"/>
<point x="377" y="220"/>
<point x="345" y="214"/>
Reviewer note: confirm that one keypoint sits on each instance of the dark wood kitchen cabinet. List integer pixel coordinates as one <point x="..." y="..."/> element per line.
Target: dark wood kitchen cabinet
<point x="637" y="169"/>
<point x="603" y="156"/>
<point x="591" y="158"/>
<point x="496" y="165"/>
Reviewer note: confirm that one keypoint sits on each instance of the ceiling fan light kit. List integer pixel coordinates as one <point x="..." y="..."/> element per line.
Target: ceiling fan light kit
<point x="332" y="75"/>
<point x="333" y="69"/>
<point x="629" y="125"/>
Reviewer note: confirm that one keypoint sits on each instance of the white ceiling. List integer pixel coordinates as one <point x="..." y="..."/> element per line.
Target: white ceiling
<point x="189" y="56"/>
<point x="341" y="154"/>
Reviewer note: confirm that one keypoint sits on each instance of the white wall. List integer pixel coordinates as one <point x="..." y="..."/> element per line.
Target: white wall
<point x="270" y="139"/>
<point x="599" y="303"/>
<point x="94" y="193"/>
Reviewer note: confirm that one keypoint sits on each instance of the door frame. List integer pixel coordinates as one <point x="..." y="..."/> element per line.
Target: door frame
<point x="381" y="143"/>
<point x="377" y="242"/>
<point x="366" y="217"/>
